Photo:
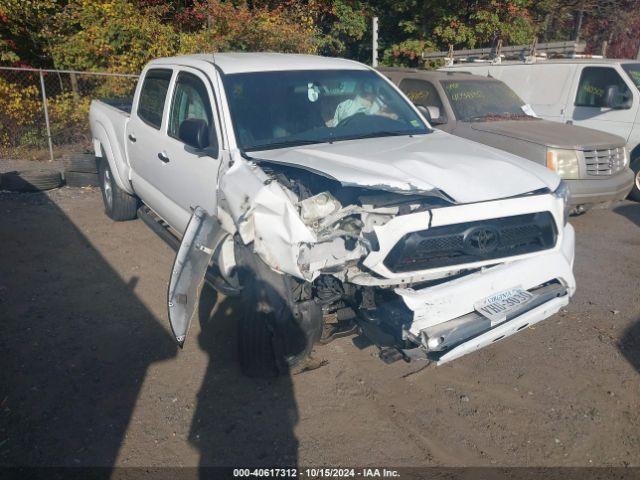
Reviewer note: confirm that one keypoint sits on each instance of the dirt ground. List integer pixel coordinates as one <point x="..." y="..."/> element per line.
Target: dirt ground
<point x="91" y="376"/>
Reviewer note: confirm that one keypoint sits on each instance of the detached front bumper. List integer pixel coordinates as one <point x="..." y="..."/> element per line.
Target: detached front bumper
<point x="444" y="317"/>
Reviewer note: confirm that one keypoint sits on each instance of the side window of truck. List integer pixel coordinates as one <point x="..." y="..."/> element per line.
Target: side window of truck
<point x="153" y="95"/>
<point x="593" y="86"/>
<point x="421" y="92"/>
<point x="190" y="101"/>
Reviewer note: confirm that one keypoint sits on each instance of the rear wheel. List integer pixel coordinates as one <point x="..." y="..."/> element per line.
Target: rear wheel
<point x="118" y="204"/>
<point x="635" y="191"/>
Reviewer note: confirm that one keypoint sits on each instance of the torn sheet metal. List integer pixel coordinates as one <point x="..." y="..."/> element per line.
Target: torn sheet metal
<point x="265" y="215"/>
<point x="327" y="256"/>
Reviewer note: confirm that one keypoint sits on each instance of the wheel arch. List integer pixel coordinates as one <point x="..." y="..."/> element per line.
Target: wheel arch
<point x="103" y="149"/>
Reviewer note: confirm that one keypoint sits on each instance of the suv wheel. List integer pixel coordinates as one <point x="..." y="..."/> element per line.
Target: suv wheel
<point x="635" y="191"/>
<point x="118" y="204"/>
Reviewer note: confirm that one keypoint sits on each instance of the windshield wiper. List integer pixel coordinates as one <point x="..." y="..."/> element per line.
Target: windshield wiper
<point x="292" y="143"/>
<point x="377" y="134"/>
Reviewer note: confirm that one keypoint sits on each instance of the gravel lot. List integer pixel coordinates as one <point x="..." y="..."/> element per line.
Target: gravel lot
<point x="91" y="375"/>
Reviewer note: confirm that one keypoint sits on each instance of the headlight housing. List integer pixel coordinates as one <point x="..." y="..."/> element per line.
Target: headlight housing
<point x="564" y="162"/>
<point x="625" y="157"/>
<point x="563" y="193"/>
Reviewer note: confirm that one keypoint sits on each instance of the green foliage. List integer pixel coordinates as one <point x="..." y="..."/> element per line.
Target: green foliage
<point x="112" y="35"/>
<point x="225" y="26"/>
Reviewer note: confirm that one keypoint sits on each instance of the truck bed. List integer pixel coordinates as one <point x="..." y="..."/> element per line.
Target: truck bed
<point x="121" y="103"/>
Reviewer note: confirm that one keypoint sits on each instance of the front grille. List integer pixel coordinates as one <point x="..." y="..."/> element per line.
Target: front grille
<point x="473" y="242"/>
<point x="604" y="162"/>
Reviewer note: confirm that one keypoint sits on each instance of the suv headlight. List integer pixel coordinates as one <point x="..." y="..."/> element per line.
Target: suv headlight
<point x="625" y="157"/>
<point x="563" y="193"/>
<point x="563" y="162"/>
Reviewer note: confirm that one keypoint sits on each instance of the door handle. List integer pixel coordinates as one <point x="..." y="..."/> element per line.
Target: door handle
<point x="163" y="157"/>
<point x="132" y="137"/>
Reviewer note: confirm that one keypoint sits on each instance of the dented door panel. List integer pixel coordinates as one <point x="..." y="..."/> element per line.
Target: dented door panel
<point x="202" y="236"/>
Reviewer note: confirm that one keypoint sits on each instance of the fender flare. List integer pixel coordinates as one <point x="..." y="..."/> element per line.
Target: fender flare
<point x="103" y="149"/>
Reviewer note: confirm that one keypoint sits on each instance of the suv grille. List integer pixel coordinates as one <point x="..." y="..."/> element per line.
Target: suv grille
<point x="604" y="162"/>
<point x="473" y="242"/>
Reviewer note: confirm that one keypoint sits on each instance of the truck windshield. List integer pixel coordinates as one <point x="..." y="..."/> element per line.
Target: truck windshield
<point x="288" y="108"/>
<point x="481" y="101"/>
<point x="633" y="70"/>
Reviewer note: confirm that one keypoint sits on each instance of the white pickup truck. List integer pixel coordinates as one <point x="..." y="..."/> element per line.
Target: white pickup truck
<point x="316" y="191"/>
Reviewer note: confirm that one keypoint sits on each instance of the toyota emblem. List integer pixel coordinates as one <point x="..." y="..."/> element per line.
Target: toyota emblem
<point x="481" y="240"/>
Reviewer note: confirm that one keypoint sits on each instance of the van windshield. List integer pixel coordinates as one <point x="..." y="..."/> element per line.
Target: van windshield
<point x="481" y="101"/>
<point x="288" y="108"/>
<point x="633" y="70"/>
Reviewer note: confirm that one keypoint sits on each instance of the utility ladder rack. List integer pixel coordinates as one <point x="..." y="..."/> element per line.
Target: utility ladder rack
<point x="526" y="53"/>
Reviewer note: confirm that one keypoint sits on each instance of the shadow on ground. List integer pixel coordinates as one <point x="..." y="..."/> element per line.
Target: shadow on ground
<point x="239" y="420"/>
<point x="629" y="210"/>
<point x="76" y="344"/>
<point x="630" y="345"/>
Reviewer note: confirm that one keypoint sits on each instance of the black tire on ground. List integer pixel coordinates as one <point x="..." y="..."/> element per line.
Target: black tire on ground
<point x="635" y="191"/>
<point x="31" y="180"/>
<point x="83" y="163"/>
<point x="274" y="334"/>
<point x="81" y="179"/>
<point x="118" y="204"/>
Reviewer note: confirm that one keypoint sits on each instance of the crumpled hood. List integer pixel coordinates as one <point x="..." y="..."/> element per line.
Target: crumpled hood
<point x="464" y="170"/>
<point x="551" y="134"/>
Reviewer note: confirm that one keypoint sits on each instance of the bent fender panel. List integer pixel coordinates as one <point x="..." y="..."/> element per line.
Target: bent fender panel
<point x="264" y="214"/>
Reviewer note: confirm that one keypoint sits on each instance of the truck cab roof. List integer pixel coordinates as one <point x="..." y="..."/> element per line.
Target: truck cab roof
<point x="241" y="62"/>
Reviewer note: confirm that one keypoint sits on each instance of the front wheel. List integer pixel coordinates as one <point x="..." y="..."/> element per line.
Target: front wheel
<point x="635" y="191"/>
<point x="275" y="332"/>
<point x="118" y="204"/>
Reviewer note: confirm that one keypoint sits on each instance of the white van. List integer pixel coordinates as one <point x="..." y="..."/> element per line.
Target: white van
<point x="603" y="94"/>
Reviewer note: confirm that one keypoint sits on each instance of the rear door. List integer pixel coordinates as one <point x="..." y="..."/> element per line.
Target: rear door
<point x="589" y="107"/>
<point x="144" y="133"/>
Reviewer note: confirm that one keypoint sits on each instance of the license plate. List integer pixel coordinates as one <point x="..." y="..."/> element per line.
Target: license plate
<point x="498" y="306"/>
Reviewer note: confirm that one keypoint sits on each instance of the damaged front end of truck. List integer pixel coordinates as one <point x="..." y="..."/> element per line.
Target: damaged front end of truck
<point x="416" y="271"/>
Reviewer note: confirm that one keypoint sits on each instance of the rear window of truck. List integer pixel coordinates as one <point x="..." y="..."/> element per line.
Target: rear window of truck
<point x="153" y="95"/>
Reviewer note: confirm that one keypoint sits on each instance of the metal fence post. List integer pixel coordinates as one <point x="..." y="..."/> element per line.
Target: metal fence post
<point x="46" y="114"/>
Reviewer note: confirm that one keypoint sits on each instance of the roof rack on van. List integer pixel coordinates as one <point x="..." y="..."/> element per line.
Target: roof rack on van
<point x="527" y="53"/>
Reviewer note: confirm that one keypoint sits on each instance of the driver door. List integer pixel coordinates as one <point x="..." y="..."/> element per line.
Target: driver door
<point x="590" y="109"/>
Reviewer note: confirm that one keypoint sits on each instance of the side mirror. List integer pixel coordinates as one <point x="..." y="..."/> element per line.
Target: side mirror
<point x="195" y="133"/>
<point x="616" y="98"/>
<point x="433" y="114"/>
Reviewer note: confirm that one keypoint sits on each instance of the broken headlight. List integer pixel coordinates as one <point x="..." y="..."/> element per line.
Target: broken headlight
<point x="563" y="162"/>
<point x="563" y="193"/>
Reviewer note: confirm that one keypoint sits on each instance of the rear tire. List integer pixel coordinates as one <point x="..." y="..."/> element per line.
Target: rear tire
<point x="635" y="191"/>
<point x="118" y="204"/>
<point x="31" y="180"/>
<point x="82" y="163"/>
<point x="81" y="179"/>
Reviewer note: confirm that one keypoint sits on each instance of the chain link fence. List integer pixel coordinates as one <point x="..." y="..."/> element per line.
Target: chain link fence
<point x="44" y="114"/>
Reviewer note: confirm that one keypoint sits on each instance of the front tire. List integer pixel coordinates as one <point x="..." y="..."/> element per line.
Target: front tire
<point x="118" y="204"/>
<point x="275" y="333"/>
